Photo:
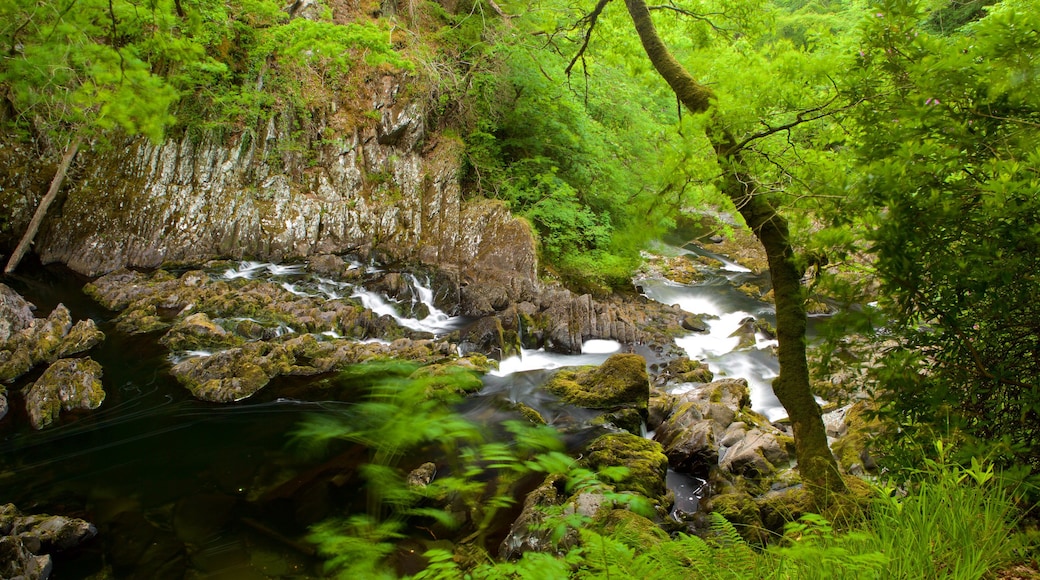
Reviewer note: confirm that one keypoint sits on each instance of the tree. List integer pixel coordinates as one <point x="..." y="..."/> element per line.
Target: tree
<point x="757" y="205"/>
<point x="949" y="167"/>
<point x="74" y="70"/>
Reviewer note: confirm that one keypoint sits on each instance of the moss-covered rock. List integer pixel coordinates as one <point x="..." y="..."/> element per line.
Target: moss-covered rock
<point x="741" y="510"/>
<point x="68" y="384"/>
<point x="233" y="374"/>
<point x="198" y="332"/>
<point x="621" y="381"/>
<point x="852" y="449"/>
<point x="644" y="459"/>
<point x="632" y="529"/>
<point x="684" y="370"/>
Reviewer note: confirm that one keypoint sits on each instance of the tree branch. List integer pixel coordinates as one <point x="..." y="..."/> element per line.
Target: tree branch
<point x="589" y="20"/>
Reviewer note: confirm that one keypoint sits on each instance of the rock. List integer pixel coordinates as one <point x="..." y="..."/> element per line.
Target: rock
<point x="46" y="340"/>
<point x="644" y="459"/>
<point x="684" y="370"/>
<point x="487" y="336"/>
<point x="621" y="381"/>
<point x="197" y="332"/>
<point x="694" y="323"/>
<point x="852" y="448"/>
<point x="23" y="538"/>
<point x="84" y="336"/>
<point x="740" y="509"/>
<point x="15" y="313"/>
<point x="68" y="384"/>
<point x="688" y="441"/>
<point x="422" y="476"/>
<point x="17" y="562"/>
<point x="659" y="408"/>
<point x="754" y="455"/>
<point x="53" y="533"/>
<point x="746" y="333"/>
<point x="528" y="533"/>
<point x="3" y="402"/>
<point x="231" y="375"/>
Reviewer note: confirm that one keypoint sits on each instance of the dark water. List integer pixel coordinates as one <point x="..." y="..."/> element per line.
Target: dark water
<point x="198" y="480"/>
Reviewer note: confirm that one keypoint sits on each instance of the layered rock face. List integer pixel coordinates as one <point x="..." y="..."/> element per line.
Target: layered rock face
<point x="351" y="184"/>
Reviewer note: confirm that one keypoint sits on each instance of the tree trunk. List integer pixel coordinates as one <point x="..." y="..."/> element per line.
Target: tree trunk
<point x="45" y="204"/>
<point x="816" y="464"/>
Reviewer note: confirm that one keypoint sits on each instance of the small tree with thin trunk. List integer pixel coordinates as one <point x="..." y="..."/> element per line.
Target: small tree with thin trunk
<point x="816" y="464"/>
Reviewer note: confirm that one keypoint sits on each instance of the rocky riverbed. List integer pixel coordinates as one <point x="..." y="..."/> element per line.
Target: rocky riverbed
<point x="228" y="330"/>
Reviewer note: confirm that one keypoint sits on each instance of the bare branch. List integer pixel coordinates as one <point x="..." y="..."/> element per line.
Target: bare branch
<point x="588" y="20"/>
<point x="699" y="17"/>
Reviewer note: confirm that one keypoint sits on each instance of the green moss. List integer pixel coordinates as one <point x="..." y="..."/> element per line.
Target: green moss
<point x="621" y="381"/>
<point x="529" y="413"/>
<point x="632" y="529"/>
<point x="449" y="376"/>
<point x="644" y="459"/>
<point x="742" y="511"/>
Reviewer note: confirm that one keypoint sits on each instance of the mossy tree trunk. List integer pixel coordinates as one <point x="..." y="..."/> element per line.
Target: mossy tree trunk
<point x="816" y="464"/>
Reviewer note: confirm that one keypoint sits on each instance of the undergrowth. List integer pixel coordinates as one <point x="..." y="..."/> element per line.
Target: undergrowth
<point x="943" y="520"/>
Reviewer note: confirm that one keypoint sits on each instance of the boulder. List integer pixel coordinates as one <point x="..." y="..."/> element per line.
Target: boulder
<point x="233" y="374"/>
<point x="643" y="458"/>
<point x="25" y="538"/>
<point x="17" y="562"/>
<point x="15" y="313"/>
<point x="756" y="454"/>
<point x="46" y="340"/>
<point x="487" y="336"/>
<point x="746" y="333"/>
<point x="621" y="381"/>
<point x="683" y="370"/>
<point x="68" y="384"/>
<point x="688" y="440"/>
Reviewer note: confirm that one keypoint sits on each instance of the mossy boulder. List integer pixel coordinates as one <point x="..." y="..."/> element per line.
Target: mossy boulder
<point x="644" y="459"/>
<point x="68" y="384"/>
<point x="684" y="370"/>
<point x="852" y="448"/>
<point x="46" y="340"/>
<point x="742" y="511"/>
<point x="632" y="529"/>
<point x="621" y="381"/>
<point x="233" y="374"/>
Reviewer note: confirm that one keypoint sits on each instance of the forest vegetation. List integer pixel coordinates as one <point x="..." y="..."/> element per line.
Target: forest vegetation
<point x="885" y="152"/>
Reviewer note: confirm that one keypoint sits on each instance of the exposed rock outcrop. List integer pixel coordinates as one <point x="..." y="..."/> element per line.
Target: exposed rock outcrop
<point x="386" y="188"/>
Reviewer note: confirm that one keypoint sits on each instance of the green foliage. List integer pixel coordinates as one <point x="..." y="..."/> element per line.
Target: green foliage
<point x="87" y="67"/>
<point x="92" y="66"/>
<point x="948" y="162"/>
<point x="408" y="413"/>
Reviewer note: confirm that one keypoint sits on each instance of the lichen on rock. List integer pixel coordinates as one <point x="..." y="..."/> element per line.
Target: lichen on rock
<point x="68" y="384"/>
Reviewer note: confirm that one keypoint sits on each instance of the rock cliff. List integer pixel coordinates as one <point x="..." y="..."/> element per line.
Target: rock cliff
<point x="365" y="177"/>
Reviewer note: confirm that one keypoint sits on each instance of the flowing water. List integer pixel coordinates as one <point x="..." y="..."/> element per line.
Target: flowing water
<point x="206" y="483"/>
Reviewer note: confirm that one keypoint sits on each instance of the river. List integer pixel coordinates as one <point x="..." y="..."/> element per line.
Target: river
<point x="153" y="463"/>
